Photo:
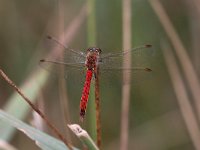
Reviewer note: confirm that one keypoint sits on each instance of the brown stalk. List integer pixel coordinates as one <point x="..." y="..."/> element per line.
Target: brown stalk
<point x="182" y="98"/>
<point x="126" y="10"/>
<point x="181" y="53"/>
<point x="50" y="124"/>
<point x="97" y="104"/>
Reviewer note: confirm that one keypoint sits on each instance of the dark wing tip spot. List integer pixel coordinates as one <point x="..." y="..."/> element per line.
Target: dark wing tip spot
<point x="42" y="60"/>
<point x="49" y="37"/>
<point x="148" y="69"/>
<point x="148" y="45"/>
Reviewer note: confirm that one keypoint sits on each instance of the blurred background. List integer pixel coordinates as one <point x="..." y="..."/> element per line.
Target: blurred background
<point x="159" y="117"/>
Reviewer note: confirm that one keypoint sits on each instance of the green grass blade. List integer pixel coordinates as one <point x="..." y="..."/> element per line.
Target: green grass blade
<point x="91" y="41"/>
<point x="43" y="140"/>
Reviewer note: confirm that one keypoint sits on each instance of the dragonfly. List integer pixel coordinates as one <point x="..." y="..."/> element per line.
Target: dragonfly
<point x="91" y="61"/>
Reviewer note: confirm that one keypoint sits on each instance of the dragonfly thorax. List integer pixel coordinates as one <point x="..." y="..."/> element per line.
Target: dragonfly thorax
<point x="92" y="57"/>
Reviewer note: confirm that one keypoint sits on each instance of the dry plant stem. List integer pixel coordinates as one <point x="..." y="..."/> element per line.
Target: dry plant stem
<point x="53" y="128"/>
<point x="185" y="61"/>
<point x="182" y="97"/>
<point x="126" y="10"/>
<point x="97" y="103"/>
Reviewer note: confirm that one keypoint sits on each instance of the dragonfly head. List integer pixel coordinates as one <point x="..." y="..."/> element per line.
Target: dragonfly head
<point x="94" y="50"/>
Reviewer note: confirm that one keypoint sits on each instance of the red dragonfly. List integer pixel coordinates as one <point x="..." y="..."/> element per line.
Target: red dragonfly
<point x="90" y="61"/>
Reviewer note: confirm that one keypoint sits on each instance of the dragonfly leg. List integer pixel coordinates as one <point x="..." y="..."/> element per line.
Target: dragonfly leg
<point x="95" y="75"/>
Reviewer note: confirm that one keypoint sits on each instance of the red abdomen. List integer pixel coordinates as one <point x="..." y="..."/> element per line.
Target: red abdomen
<point x="85" y="93"/>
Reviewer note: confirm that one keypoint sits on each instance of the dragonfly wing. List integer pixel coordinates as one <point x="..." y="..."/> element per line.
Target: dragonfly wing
<point x="111" y="66"/>
<point x="70" y="60"/>
<point x="145" y="49"/>
<point x="141" y="57"/>
<point x="68" y="55"/>
<point x="55" y="67"/>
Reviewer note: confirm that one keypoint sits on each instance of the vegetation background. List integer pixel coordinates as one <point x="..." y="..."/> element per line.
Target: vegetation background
<point x="157" y="121"/>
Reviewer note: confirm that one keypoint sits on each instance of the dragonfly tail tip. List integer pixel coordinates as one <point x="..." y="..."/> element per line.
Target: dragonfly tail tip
<point x="82" y="114"/>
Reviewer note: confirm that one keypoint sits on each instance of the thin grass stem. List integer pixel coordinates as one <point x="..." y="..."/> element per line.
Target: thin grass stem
<point x="126" y="16"/>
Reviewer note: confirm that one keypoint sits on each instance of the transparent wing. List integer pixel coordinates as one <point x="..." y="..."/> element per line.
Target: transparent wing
<point x="68" y="56"/>
<point x="71" y="61"/>
<point x="140" y="59"/>
<point x="138" y="49"/>
<point x="111" y="65"/>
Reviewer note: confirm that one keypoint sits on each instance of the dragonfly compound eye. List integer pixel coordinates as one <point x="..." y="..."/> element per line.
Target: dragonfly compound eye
<point x="99" y="50"/>
<point x="89" y="49"/>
